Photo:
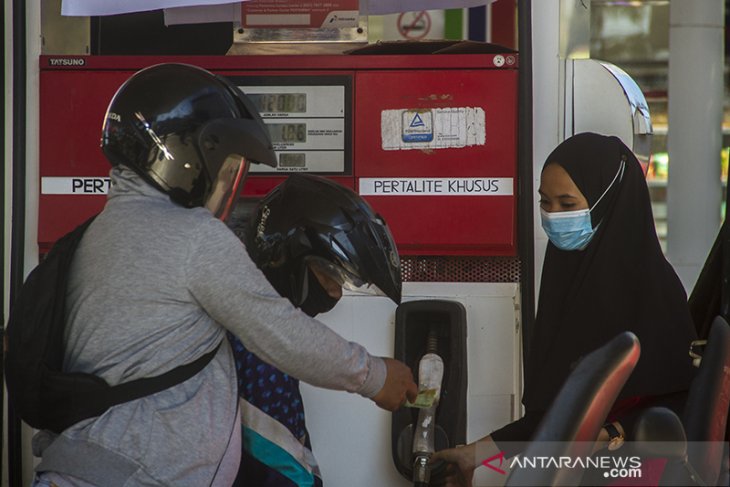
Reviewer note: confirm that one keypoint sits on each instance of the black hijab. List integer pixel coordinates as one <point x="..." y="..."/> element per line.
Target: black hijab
<point x="620" y="281"/>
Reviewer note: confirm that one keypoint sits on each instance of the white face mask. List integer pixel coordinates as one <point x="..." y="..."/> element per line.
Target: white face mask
<point x="573" y="230"/>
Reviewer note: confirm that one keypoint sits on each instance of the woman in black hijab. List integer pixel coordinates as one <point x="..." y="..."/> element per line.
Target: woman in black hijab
<point x="604" y="273"/>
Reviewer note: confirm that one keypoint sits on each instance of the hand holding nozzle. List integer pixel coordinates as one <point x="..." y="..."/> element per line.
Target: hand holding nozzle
<point x="398" y="387"/>
<point x="430" y="376"/>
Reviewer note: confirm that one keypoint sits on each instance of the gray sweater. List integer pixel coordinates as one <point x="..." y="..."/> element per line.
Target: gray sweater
<point x="153" y="286"/>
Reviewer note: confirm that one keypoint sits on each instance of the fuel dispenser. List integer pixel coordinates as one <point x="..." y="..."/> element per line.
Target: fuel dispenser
<point x="429" y="138"/>
<point x="430" y="336"/>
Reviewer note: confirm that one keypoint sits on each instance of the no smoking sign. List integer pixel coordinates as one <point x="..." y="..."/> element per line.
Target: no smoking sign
<point x="414" y="25"/>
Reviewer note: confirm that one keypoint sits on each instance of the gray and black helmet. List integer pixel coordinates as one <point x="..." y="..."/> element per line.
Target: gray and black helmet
<point x="176" y="125"/>
<point x="312" y="221"/>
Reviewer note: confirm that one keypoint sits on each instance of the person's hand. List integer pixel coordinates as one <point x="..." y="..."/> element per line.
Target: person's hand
<point x="604" y="438"/>
<point x="460" y="471"/>
<point x="398" y="386"/>
<point x="601" y="441"/>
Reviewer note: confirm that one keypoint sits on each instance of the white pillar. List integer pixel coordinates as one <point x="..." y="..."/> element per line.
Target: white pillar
<point x="694" y="192"/>
<point x="546" y="65"/>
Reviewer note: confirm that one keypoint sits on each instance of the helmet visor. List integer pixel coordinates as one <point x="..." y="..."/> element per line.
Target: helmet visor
<point x="346" y="279"/>
<point x="227" y="186"/>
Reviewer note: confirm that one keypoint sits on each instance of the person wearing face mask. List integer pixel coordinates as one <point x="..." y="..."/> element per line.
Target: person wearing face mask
<point x="604" y="273"/>
<point x="311" y="238"/>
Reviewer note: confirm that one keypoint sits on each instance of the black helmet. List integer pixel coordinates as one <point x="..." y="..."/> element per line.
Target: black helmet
<point x="176" y="125"/>
<point x="312" y="221"/>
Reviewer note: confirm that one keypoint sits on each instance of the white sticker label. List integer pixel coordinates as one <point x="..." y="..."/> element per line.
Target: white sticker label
<point x="436" y="186"/>
<point x="437" y="128"/>
<point x="77" y="185"/>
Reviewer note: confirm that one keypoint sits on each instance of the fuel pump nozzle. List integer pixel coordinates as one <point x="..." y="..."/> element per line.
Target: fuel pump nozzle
<point x="430" y="376"/>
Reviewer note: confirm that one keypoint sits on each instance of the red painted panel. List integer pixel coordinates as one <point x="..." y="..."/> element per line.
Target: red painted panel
<point x="441" y="225"/>
<point x="292" y="64"/>
<point x="74" y="93"/>
<point x="72" y="109"/>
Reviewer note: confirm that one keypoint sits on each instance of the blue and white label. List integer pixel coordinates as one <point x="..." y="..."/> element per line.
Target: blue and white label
<point x="417" y="126"/>
<point x="435" y="128"/>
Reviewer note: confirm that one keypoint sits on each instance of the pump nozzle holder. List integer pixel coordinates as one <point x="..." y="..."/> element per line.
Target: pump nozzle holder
<point x="430" y="336"/>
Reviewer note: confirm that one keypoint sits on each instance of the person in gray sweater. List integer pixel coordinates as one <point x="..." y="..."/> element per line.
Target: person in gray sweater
<point x="157" y="280"/>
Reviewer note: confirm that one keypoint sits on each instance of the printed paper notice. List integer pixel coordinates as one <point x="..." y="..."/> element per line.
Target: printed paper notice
<point x="332" y="14"/>
<point x="115" y="7"/>
<point x="436" y="128"/>
<point x="380" y="7"/>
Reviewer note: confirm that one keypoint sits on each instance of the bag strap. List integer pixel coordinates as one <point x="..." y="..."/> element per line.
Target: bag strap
<point x="136" y="389"/>
<point x="129" y="391"/>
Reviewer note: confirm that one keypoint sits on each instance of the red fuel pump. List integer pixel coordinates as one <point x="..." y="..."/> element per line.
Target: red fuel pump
<point x="428" y="134"/>
<point x="429" y="139"/>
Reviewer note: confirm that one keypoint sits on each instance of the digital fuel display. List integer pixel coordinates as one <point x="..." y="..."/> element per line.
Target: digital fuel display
<point x="279" y="102"/>
<point x="289" y="160"/>
<point x="308" y="119"/>
<point x="287" y="133"/>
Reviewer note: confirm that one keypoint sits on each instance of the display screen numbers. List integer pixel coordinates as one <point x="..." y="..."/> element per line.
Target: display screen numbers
<point x="292" y="160"/>
<point x="280" y="102"/>
<point x="288" y="132"/>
